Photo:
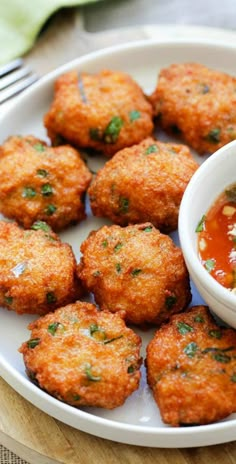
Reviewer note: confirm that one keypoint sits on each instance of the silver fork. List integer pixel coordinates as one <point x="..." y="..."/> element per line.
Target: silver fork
<point x="14" y="77"/>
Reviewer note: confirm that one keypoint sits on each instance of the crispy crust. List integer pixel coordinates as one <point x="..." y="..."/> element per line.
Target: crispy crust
<point x="191" y="368"/>
<point x="37" y="270"/>
<point x="40" y="182"/>
<point x="135" y="269"/>
<point x="85" y="105"/>
<point x="145" y="182"/>
<point x="197" y="102"/>
<point x="83" y="357"/>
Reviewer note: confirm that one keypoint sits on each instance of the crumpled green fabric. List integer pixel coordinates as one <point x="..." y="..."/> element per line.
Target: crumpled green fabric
<point x="21" y="21"/>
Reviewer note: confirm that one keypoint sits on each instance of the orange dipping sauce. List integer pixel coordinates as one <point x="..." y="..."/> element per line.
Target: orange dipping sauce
<point x="217" y="239"/>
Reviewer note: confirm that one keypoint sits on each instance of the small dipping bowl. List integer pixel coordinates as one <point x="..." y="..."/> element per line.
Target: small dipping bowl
<point x="211" y="179"/>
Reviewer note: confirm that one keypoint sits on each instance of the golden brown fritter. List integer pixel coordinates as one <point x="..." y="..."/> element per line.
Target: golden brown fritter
<point x="37" y="270"/>
<point x="83" y="356"/>
<point x="191" y="368"/>
<point x="142" y="183"/>
<point x="135" y="269"/>
<point x="105" y="111"/>
<point x="198" y="103"/>
<point x="42" y="183"/>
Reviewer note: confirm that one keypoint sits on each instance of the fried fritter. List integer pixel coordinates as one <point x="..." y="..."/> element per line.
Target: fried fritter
<point x="42" y="183"/>
<point x="37" y="270"/>
<point x="135" y="269"/>
<point x="105" y="111"/>
<point x="142" y="183"/>
<point x="198" y="103"/>
<point x="83" y="356"/>
<point x="191" y="368"/>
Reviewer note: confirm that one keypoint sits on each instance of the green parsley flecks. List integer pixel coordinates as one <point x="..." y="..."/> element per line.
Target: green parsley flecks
<point x="134" y="115"/>
<point x="184" y="328"/>
<point x="191" y="349"/>
<point x="214" y="135"/>
<point x="33" y="342"/>
<point x="42" y="173"/>
<point x="50" y="209"/>
<point x="113" y="129"/>
<point x="170" y="301"/>
<point x="201" y="225"/>
<point x="209" y="265"/>
<point x="51" y="297"/>
<point x="123" y="205"/>
<point x="39" y="147"/>
<point x="29" y="192"/>
<point x="52" y="328"/>
<point x="41" y="225"/>
<point x="90" y="375"/>
<point x="136" y="272"/>
<point x="46" y="190"/>
<point x="215" y="334"/>
<point x="151" y="149"/>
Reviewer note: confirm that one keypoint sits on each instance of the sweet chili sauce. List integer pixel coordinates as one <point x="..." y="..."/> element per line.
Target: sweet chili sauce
<point x="217" y="239"/>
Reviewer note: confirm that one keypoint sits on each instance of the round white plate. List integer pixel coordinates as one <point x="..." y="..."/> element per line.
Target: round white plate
<point x="138" y="420"/>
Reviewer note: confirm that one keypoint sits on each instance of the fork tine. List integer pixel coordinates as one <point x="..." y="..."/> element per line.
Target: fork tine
<point x="17" y="88"/>
<point x="11" y="66"/>
<point x="13" y="77"/>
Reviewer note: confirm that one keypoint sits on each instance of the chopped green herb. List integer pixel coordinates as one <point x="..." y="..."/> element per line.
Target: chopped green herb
<point x="95" y="134"/>
<point x="33" y="342"/>
<point x="136" y="272"/>
<point x="29" y="192"/>
<point x="233" y="378"/>
<point x="231" y="193"/>
<point x="46" y="190"/>
<point x="42" y="172"/>
<point x="201" y="224"/>
<point x="199" y="318"/>
<point x="52" y="328"/>
<point x="131" y="369"/>
<point x="209" y="265"/>
<point x="113" y="129"/>
<point x="214" y="135"/>
<point x="81" y="89"/>
<point x="151" y="149"/>
<point x="76" y="397"/>
<point x="94" y="328"/>
<point x="148" y="229"/>
<point x="123" y="205"/>
<point x="215" y="334"/>
<point x="170" y="301"/>
<point x="39" y="147"/>
<point x="118" y="268"/>
<point x="217" y="350"/>
<point x="118" y="247"/>
<point x="50" y="210"/>
<point x="110" y="340"/>
<point x="96" y="273"/>
<point x="51" y="297"/>
<point x="8" y="299"/>
<point x="89" y="374"/>
<point x="184" y="328"/>
<point x="133" y="115"/>
<point x="104" y="243"/>
<point x="41" y="225"/>
<point x="191" y="349"/>
<point x="221" y="357"/>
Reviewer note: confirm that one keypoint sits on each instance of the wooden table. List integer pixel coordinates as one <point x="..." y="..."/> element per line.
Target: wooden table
<point x="24" y="429"/>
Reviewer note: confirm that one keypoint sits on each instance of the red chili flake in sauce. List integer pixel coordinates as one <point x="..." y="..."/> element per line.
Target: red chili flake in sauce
<point x="217" y="239"/>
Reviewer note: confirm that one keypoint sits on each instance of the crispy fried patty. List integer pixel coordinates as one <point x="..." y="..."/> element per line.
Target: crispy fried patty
<point x="42" y="183"/>
<point x="142" y="183"/>
<point x="37" y="270"/>
<point x="83" y="357"/>
<point x="197" y="103"/>
<point x="191" y="368"/>
<point x="105" y="111"/>
<point x="136" y="269"/>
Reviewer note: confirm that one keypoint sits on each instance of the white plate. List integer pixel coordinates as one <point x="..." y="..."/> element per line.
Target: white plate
<point x="138" y="421"/>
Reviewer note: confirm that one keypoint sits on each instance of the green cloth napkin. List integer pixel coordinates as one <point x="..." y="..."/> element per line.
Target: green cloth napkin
<point x="21" y="21"/>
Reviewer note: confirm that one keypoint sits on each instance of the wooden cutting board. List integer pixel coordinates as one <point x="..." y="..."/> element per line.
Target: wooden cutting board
<point x="24" y="429"/>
